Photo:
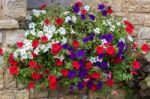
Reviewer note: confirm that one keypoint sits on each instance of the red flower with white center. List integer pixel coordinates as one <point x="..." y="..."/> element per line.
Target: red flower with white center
<point x="78" y="3"/>
<point x="11" y="60"/>
<point x="59" y="21"/>
<point x="88" y="65"/>
<point x="35" y="76"/>
<point x="83" y="11"/>
<point x="43" y="6"/>
<point x="35" y="43"/>
<point x="47" y="22"/>
<point x="1" y="51"/>
<point x="136" y="64"/>
<point x="99" y="50"/>
<point x="95" y="75"/>
<point x="109" y="10"/>
<point x="44" y="39"/>
<point x="134" y="45"/>
<point x="75" y="43"/>
<point x="32" y="64"/>
<point x="64" y="72"/>
<point x="56" y="48"/>
<point x="110" y="83"/>
<point x="31" y="85"/>
<point x="145" y="48"/>
<point x="110" y="50"/>
<point x="59" y="62"/>
<point x="53" y="86"/>
<point x="13" y="70"/>
<point x="52" y="79"/>
<point x="76" y="65"/>
<point x="19" y="44"/>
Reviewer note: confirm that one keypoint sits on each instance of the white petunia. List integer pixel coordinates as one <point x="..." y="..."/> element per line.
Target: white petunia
<point x="93" y="59"/>
<point x="64" y="40"/>
<point x="49" y="35"/>
<point x="33" y="32"/>
<point x="67" y="19"/>
<point x="97" y="30"/>
<point x="36" y="12"/>
<point x="40" y="33"/>
<point x="130" y="38"/>
<point x="99" y="60"/>
<point x="36" y="51"/>
<point x="66" y="12"/>
<point x="73" y="32"/>
<point x="87" y="8"/>
<point x="27" y="33"/>
<point x="118" y="23"/>
<point x="60" y="57"/>
<point x="32" y="25"/>
<point x="29" y="17"/>
<point x="43" y="11"/>
<point x="62" y="31"/>
<point x="74" y="18"/>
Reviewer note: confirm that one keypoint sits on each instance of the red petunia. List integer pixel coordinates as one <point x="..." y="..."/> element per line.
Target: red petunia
<point x="47" y="22"/>
<point x="59" y="62"/>
<point x="88" y="65"/>
<point x="75" y="43"/>
<point x="78" y="3"/>
<point x="64" y="72"/>
<point x="1" y="51"/>
<point x="59" y="21"/>
<point x="99" y="50"/>
<point x="44" y="39"/>
<point x="145" y="48"/>
<point x="19" y="44"/>
<point x="52" y="79"/>
<point x="47" y="71"/>
<point x="35" y="76"/>
<point x="34" y="54"/>
<point x="32" y="64"/>
<point x="43" y="6"/>
<point x="110" y="83"/>
<point x="12" y="61"/>
<point x="136" y="64"/>
<point x="39" y="66"/>
<point x="56" y="48"/>
<point x="118" y="60"/>
<point x="129" y="27"/>
<point x="110" y="50"/>
<point x="13" y="70"/>
<point x="83" y="11"/>
<point x="35" y="43"/>
<point x="93" y="88"/>
<point x="76" y="65"/>
<point x="109" y="10"/>
<point x="95" y="75"/>
<point x="53" y="86"/>
<point x="31" y="85"/>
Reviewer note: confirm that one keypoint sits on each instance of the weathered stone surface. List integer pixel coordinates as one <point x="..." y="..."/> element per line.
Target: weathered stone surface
<point x="9" y="81"/>
<point x="14" y="36"/>
<point x="38" y="94"/>
<point x="1" y="77"/>
<point x="15" y="8"/>
<point x="8" y="24"/>
<point x="144" y="33"/>
<point x="1" y="37"/>
<point x="69" y="97"/>
<point x="22" y="94"/>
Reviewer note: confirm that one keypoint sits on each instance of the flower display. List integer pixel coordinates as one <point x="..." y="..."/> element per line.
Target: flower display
<point x="80" y="48"/>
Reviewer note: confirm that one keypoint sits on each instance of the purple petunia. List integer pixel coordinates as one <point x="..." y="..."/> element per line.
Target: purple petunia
<point x="107" y="37"/>
<point x="101" y="56"/>
<point x="99" y="85"/>
<point x="76" y="9"/>
<point x="81" y="53"/>
<point x="92" y="17"/>
<point x="104" y="65"/>
<point x="121" y="45"/>
<point x="72" y="74"/>
<point x="65" y="46"/>
<point x="83" y="73"/>
<point x="71" y="88"/>
<point x="85" y="39"/>
<point x="104" y="12"/>
<point x="83" y="17"/>
<point x="80" y="86"/>
<point x="90" y="83"/>
<point x="101" y="6"/>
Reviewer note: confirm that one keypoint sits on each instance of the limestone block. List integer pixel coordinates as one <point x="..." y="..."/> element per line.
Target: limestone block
<point x="14" y="36"/>
<point x="144" y="33"/>
<point x="8" y="24"/>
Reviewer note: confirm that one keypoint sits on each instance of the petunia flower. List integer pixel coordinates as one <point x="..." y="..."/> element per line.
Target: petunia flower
<point x="99" y="85"/>
<point x="81" y="53"/>
<point x="13" y="70"/>
<point x="35" y="76"/>
<point x="136" y="64"/>
<point x="1" y="51"/>
<point x="20" y="44"/>
<point x="72" y="74"/>
<point x="101" y="6"/>
<point x="145" y="48"/>
<point x="31" y="85"/>
<point x="80" y="85"/>
<point x="83" y="17"/>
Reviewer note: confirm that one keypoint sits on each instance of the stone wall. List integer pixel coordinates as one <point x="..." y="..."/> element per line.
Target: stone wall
<point x="14" y="11"/>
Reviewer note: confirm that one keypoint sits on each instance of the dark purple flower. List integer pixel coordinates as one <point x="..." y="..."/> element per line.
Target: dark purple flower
<point x="83" y="73"/>
<point x="86" y="39"/>
<point x="91" y="37"/>
<point x="81" y="53"/>
<point x="65" y="46"/>
<point x="83" y="17"/>
<point x="104" y="12"/>
<point x="107" y="37"/>
<point x="80" y="86"/>
<point x="104" y="65"/>
<point x="81" y="62"/>
<point x="121" y="45"/>
<point x="120" y="53"/>
<point x="92" y="17"/>
<point x="76" y="9"/>
<point x="71" y="88"/>
<point x="72" y="74"/>
<point x="89" y="83"/>
<point x="99" y="85"/>
<point x="101" y="6"/>
<point x="101" y="56"/>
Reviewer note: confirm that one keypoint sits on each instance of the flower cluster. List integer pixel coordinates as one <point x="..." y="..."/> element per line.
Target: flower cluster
<point x="79" y="49"/>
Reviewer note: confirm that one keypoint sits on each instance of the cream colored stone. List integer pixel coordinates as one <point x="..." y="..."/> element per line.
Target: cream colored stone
<point x="22" y="94"/>
<point x="15" y="8"/>
<point x="144" y="33"/>
<point x="38" y="94"/>
<point x="14" y="36"/>
<point x="8" y="24"/>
